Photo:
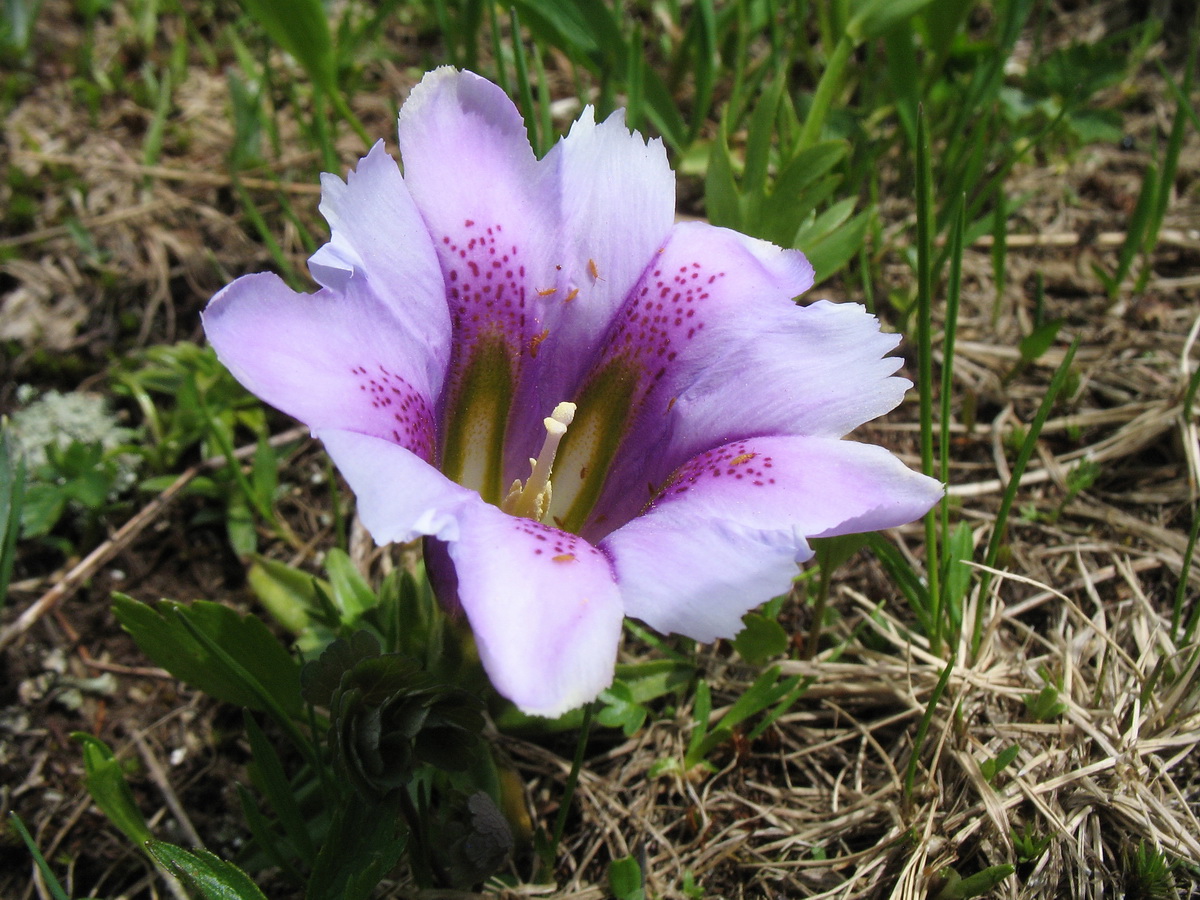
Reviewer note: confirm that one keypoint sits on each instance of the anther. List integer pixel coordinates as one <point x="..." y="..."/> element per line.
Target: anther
<point x="531" y="499"/>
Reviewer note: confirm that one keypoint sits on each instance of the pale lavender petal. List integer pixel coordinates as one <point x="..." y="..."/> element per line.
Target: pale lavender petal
<point x="617" y="198"/>
<point x="727" y="531"/>
<point x="489" y="207"/>
<point x="400" y="497"/>
<point x="377" y="234"/>
<point x="724" y="353"/>
<point x="331" y="360"/>
<point x="543" y="606"/>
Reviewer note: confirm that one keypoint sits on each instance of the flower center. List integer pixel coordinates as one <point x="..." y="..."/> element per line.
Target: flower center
<point x="531" y="499"/>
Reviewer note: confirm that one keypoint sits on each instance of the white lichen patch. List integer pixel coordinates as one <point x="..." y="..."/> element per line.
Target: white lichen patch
<point x="57" y="420"/>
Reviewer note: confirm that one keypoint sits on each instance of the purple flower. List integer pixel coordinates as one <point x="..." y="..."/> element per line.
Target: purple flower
<point x="592" y="411"/>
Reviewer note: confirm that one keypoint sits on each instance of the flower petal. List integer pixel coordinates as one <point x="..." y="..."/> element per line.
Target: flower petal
<point x="617" y="200"/>
<point x="726" y="532"/>
<point x="331" y="360"/>
<point x="400" y="497"/>
<point x="724" y="353"/>
<point x="378" y="234"/>
<point x="489" y="207"/>
<point x="543" y="606"/>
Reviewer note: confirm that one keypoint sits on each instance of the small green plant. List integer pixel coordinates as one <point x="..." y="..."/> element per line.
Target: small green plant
<point x="76" y="459"/>
<point x="1029" y="844"/>
<point x="1045" y="705"/>
<point x="1147" y="873"/>
<point x="191" y="404"/>
<point x="626" y="880"/>
<point x="997" y="764"/>
<point x="954" y="887"/>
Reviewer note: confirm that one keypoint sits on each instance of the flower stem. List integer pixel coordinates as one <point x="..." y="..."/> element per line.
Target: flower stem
<point x="560" y="821"/>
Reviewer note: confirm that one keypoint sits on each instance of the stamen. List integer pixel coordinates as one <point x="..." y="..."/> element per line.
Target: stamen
<point x="531" y="499"/>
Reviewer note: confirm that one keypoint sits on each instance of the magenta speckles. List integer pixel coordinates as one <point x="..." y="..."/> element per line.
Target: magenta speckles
<point x="560" y="546"/>
<point x="736" y="461"/>
<point x="663" y="312"/>
<point x="466" y="298"/>
<point x="485" y="281"/>
<point x="407" y="416"/>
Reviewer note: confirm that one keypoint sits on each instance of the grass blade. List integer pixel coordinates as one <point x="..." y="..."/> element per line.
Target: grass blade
<point x="925" y="226"/>
<point x="1014" y="482"/>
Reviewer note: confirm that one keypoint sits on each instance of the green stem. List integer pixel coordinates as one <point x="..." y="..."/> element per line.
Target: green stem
<point x="925" y="364"/>
<point x="1014" y="483"/>
<point x="560" y="821"/>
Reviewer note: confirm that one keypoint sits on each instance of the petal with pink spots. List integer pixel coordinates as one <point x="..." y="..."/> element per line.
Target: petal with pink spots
<point x="617" y="207"/>
<point x="729" y="527"/>
<point x="489" y="207"/>
<point x="543" y="606"/>
<point x="723" y="352"/>
<point x="331" y="360"/>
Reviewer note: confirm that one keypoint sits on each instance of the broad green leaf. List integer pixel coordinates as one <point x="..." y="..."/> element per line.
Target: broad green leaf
<point x="106" y="783"/>
<point x="621" y="710"/>
<point x="761" y="639"/>
<point x="41" y="508"/>
<point x="1038" y="341"/>
<point x="288" y="593"/>
<point x="166" y="641"/>
<point x="625" y="879"/>
<point x="834" y="248"/>
<point x="873" y="17"/>
<point x="362" y="845"/>
<point x="653" y="679"/>
<point x="212" y="876"/>
<point x="301" y="28"/>
<point x="351" y="592"/>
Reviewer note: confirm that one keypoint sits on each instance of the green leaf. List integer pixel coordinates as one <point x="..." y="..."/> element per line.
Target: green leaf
<point x="655" y="678"/>
<point x="12" y="498"/>
<point x="351" y="593"/>
<point x="625" y="879"/>
<point x="56" y="888"/>
<point x="1038" y="341"/>
<point x="212" y="876"/>
<point x="993" y="767"/>
<point x="301" y="28"/>
<point x="42" y="508"/>
<point x="722" y="202"/>
<point x="278" y="790"/>
<point x="981" y="882"/>
<point x="833" y="552"/>
<point x="287" y="593"/>
<point x="362" y="846"/>
<point x="621" y="710"/>
<point x="167" y="642"/>
<point x="761" y="639"/>
<point x="106" y="783"/>
<point x="873" y="17"/>
<point x="833" y="242"/>
<point x="959" y="551"/>
<point x="239" y="525"/>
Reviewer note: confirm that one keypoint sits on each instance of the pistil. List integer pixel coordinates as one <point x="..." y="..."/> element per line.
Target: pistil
<point x="531" y="499"/>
